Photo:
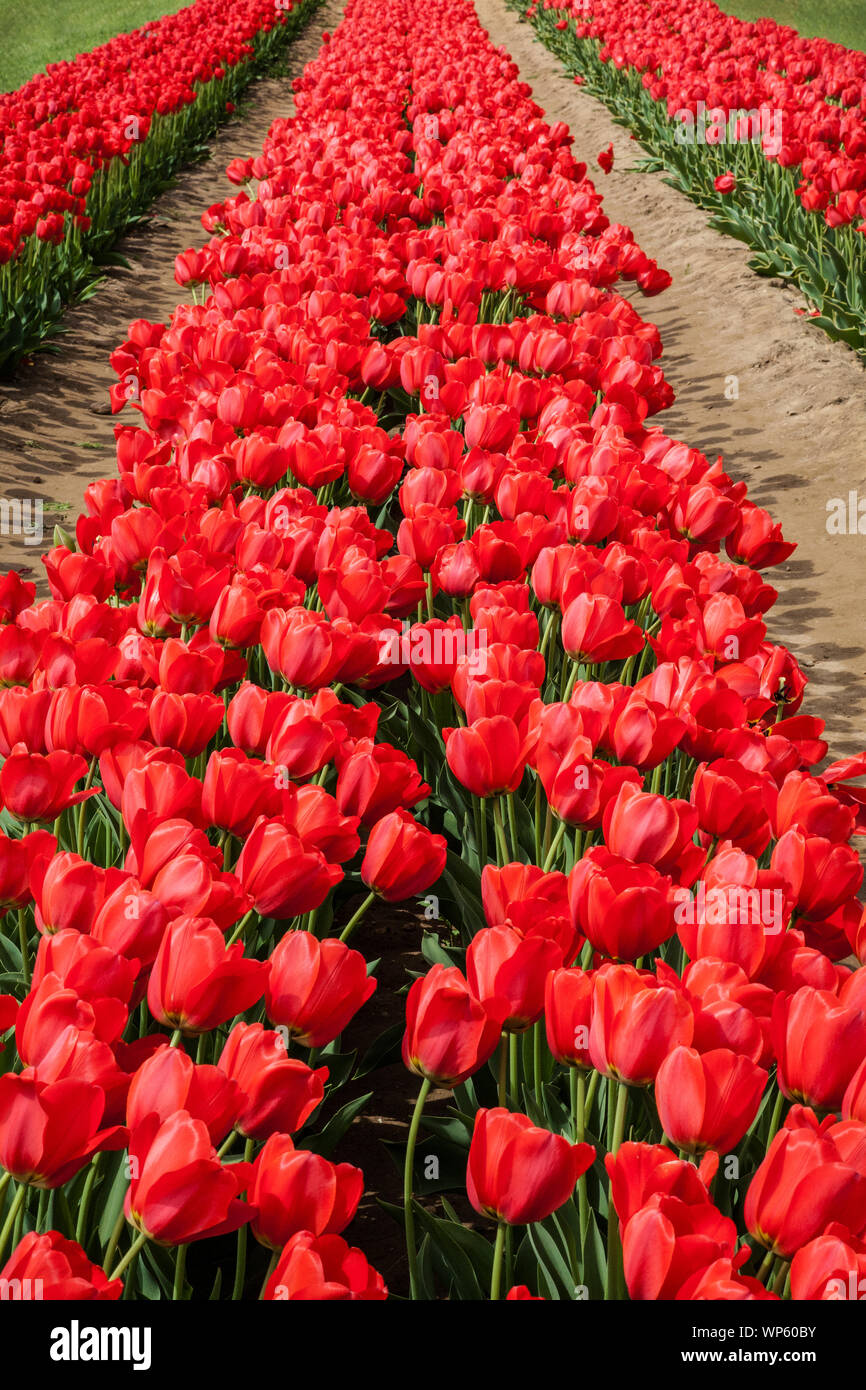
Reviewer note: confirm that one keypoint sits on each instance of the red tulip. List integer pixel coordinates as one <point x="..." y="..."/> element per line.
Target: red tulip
<point x="488" y="757"/>
<point x="197" y="981"/>
<point x="635" y="1024"/>
<point x="402" y="857"/>
<point x="500" y="963"/>
<point x="819" y="1043"/>
<point x="278" y="1092"/>
<point x="624" y="909"/>
<point x="449" y="1033"/>
<point x="37" y="788"/>
<point x="49" y="1130"/>
<point x="59" y="1269"/>
<point x="282" y="877"/>
<point x="802" y="1185"/>
<point x="707" y="1100"/>
<point x="319" y="1269"/>
<point x="169" y="1081"/>
<point x="520" y="1173"/>
<point x="171" y="1159"/>
<point x="668" y="1241"/>
<point x="316" y="987"/>
<point x="294" y="1190"/>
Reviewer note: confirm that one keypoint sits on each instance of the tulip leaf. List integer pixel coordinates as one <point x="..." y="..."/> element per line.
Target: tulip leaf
<point x="468" y="1256"/>
<point x="114" y="1189"/>
<point x="436" y="954"/>
<point x="326" y="1140"/>
<point x="594" y="1263"/>
<point x="383" y="1051"/>
<point x="552" y="1260"/>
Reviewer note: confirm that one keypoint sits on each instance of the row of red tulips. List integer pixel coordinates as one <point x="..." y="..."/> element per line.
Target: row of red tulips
<point x="412" y="392"/>
<point x="88" y="144"/>
<point x="761" y="126"/>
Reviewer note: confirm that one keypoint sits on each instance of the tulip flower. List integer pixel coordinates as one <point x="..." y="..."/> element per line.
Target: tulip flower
<point x="802" y="1185"/>
<point x="168" y="1081"/>
<point x="322" y="1269"/>
<point x="519" y="1173"/>
<point x="402" y="858"/>
<point x="638" y="1171"/>
<point x="707" y="1100"/>
<point x="59" y="1269"/>
<point x="819" y="1043"/>
<point x="635" y="1023"/>
<point x="831" y="1268"/>
<point x="315" y="987"/>
<point x="668" y="1240"/>
<point x="624" y="909"/>
<point x="166" y="1158"/>
<point x="37" y="788"/>
<point x="488" y="757"/>
<point x="295" y="1190"/>
<point x="567" y="1012"/>
<point x="197" y="981"/>
<point x="278" y="1093"/>
<point x="49" y="1130"/>
<point x="502" y="964"/>
<point x="449" y="1032"/>
<point x="281" y="876"/>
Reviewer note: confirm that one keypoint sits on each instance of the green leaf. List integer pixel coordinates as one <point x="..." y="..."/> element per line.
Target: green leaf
<point x="382" y="1051"/>
<point x="326" y="1140"/>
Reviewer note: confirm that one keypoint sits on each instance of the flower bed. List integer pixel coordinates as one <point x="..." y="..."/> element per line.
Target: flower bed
<point x="87" y="145"/>
<point x="764" y="128"/>
<point x="400" y="595"/>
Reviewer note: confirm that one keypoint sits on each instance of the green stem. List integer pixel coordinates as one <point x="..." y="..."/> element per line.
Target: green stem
<point x="180" y="1271"/>
<point x="243" y="1234"/>
<point x="408" y="1172"/>
<point x="140" y="1240"/>
<point x="353" y="922"/>
<point x="84" y="1207"/>
<point x="271" y="1267"/>
<point x="498" y="1253"/>
<point x="17" y="1204"/>
<point x="501" y="842"/>
<point x="614" y="1245"/>
<point x="554" y="847"/>
<point x="24" y="944"/>
<point x="113" y="1241"/>
<point x="776" y="1118"/>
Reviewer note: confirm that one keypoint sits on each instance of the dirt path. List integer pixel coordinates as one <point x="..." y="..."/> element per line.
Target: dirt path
<point x="56" y="432"/>
<point x="797" y="431"/>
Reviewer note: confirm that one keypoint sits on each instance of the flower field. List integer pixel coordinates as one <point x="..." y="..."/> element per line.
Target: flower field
<point x="400" y="605"/>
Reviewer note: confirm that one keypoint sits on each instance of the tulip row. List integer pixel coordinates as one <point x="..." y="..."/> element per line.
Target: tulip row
<point x="86" y="146"/>
<point x="411" y="392"/>
<point x="765" y="129"/>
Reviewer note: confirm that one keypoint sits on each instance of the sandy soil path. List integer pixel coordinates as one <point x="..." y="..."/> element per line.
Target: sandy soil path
<point x="797" y="431"/>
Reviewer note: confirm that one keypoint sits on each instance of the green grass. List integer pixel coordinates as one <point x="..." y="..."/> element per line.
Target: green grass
<point x="46" y="31"/>
<point x="843" y="21"/>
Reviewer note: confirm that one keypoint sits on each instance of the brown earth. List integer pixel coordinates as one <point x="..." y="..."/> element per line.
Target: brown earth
<point x="796" y="433"/>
